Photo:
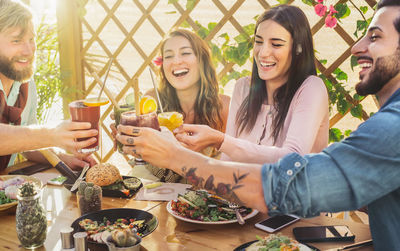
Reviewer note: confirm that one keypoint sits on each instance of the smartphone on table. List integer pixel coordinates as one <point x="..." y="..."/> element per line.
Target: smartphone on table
<point x="275" y="223"/>
<point x="323" y="233"/>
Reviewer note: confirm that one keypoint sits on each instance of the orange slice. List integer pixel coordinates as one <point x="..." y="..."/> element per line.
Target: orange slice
<point x="95" y="101"/>
<point x="147" y="105"/>
<point x="171" y="120"/>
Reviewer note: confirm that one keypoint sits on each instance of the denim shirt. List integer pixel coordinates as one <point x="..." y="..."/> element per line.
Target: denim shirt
<point x="363" y="169"/>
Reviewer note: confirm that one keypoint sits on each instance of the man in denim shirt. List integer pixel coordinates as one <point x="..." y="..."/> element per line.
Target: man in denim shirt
<point x="363" y="169"/>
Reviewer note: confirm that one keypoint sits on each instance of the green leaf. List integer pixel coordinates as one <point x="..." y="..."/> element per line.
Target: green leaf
<point x="190" y="4"/>
<point x="347" y="132"/>
<point x="340" y="75"/>
<point x="353" y="62"/>
<point x="172" y="1"/>
<point x="356" y="111"/>
<point x="170" y="12"/>
<point x="342" y="105"/>
<point x="343" y="10"/>
<point x="362" y="25"/>
<point x="335" y="135"/>
<point x="249" y="29"/>
<point x="211" y="25"/>
<point x="308" y="2"/>
<point x="323" y="61"/>
<point x="185" y="24"/>
<point x="364" y="9"/>
<point x="242" y="37"/>
<point x="283" y="1"/>
<point x="358" y="97"/>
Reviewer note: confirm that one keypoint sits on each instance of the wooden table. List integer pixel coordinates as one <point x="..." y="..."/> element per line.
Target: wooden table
<point x="171" y="233"/>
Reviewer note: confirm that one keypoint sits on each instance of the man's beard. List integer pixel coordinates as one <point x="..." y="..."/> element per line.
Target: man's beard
<point x="8" y="70"/>
<point x="385" y="69"/>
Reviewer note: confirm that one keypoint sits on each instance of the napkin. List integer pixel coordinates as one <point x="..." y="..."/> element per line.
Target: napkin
<point x="164" y="192"/>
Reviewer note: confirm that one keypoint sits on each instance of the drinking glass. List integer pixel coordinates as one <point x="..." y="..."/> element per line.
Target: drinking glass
<point x="82" y="113"/>
<point x="117" y="115"/>
<point x="143" y="120"/>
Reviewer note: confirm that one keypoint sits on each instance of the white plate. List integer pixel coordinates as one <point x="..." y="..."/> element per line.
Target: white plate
<point x="169" y="209"/>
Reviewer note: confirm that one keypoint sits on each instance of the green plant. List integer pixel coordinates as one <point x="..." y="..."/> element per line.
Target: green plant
<point x="47" y="74"/>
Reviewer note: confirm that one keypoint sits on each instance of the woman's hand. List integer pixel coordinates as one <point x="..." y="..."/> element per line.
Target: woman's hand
<point x="151" y="145"/>
<point x="198" y="137"/>
<point x="64" y="135"/>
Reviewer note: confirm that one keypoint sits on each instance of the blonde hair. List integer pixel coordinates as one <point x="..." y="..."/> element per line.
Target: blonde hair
<point x="208" y="106"/>
<point x="14" y="13"/>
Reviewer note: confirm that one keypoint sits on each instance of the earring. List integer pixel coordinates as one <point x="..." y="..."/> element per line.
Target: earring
<point x="299" y="49"/>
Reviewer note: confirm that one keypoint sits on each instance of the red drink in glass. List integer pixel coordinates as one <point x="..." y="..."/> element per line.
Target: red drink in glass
<point x="82" y="113"/>
<point x="143" y="120"/>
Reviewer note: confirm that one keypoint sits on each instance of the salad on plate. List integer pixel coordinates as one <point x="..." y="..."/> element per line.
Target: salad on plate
<point x="200" y="206"/>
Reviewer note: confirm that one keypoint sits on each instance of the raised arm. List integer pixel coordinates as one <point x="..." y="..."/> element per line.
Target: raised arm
<point x="16" y="139"/>
<point x="234" y="181"/>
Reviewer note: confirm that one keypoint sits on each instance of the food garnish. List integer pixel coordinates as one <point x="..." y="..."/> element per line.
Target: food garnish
<point x="95" y="101"/>
<point x="147" y="105"/>
<point x="274" y="242"/>
<point x="171" y="120"/>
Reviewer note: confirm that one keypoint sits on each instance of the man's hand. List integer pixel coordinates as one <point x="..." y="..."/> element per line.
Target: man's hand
<point x="77" y="162"/>
<point x="151" y="145"/>
<point x="64" y="135"/>
<point x="198" y="137"/>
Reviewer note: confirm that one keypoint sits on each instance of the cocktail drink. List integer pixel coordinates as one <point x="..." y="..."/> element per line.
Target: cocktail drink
<point x="117" y="115"/>
<point x="121" y="109"/>
<point x="143" y="120"/>
<point x="82" y="113"/>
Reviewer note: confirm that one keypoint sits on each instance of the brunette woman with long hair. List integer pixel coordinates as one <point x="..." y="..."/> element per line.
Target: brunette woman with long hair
<point x="283" y="107"/>
<point x="188" y="81"/>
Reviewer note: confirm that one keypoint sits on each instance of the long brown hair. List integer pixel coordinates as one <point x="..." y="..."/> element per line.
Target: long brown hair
<point x="302" y="66"/>
<point x="208" y="107"/>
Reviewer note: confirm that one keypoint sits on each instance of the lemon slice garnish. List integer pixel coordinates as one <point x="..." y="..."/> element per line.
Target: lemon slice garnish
<point x="171" y="120"/>
<point x="147" y="105"/>
<point x="95" y="101"/>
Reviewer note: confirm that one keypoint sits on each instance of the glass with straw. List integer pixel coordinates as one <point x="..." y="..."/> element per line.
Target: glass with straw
<point x="138" y="118"/>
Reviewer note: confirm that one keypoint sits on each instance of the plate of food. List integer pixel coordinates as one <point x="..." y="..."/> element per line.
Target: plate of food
<point x="203" y="208"/>
<point x="108" y="177"/>
<point x="103" y="222"/>
<point x="8" y="189"/>
<point x="274" y="242"/>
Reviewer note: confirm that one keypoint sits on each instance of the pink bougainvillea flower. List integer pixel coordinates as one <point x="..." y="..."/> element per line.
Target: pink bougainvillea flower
<point x="320" y="9"/>
<point x="330" y="21"/>
<point x="332" y="9"/>
<point x="320" y="1"/>
<point x="158" y="61"/>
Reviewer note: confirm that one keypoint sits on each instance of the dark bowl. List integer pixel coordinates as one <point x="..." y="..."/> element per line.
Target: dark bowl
<point x="114" y="214"/>
<point x="108" y="192"/>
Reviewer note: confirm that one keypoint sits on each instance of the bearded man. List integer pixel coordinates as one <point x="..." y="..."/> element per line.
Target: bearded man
<point x="18" y="97"/>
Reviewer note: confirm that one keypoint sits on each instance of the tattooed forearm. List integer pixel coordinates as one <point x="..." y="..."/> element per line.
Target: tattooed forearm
<point x="221" y="189"/>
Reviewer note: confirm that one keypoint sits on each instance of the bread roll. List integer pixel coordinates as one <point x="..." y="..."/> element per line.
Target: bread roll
<point x="103" y="174"/>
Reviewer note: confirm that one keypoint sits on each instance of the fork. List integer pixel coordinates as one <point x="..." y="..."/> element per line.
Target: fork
<point x="238" y="215"/>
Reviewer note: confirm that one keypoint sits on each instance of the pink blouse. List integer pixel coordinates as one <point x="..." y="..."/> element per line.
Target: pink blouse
<point x="305" y="130"/>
